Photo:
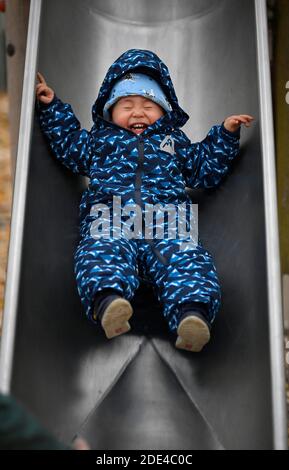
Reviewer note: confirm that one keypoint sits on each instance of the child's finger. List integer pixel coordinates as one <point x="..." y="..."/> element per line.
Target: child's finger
<point x="243" y="116"/>
<point x="41" y="89"/>
<point x="242" y="119"/>
<point x="247" y="117"/>
<point x="246" y="122"/>
<point x="44" y="99"/>
<point x="234" y="119"/>
<point x="40" y="86"/>
<point x="41" y="78"/>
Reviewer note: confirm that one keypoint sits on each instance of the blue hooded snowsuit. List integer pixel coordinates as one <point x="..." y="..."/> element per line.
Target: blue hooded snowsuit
<point x="140" y="170"/>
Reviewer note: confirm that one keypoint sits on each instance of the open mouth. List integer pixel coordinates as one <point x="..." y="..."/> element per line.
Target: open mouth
<point x="138" y="127"/>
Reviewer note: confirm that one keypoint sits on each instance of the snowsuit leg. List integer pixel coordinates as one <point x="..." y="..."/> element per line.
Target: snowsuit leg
<point x="105" y="263"/>
<point x="189" y="276"/>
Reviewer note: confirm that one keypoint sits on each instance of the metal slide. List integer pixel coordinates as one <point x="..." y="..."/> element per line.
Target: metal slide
<point x="137" y="390"/>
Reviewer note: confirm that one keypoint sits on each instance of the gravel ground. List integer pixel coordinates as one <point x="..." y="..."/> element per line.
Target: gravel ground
<point x="5" y="194"/>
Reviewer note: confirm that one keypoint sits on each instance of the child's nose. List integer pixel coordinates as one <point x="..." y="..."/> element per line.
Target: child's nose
<point x="138" y="112"/>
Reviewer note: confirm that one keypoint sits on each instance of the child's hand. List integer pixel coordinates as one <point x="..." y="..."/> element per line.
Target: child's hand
<point x="80" y="444"/>
<point x="232" y="123"/>
<point x="43" y="92"/>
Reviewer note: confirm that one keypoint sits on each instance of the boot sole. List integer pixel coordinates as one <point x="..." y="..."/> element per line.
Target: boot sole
<point x="193" y="334"/>
<point x="115" y="318"/>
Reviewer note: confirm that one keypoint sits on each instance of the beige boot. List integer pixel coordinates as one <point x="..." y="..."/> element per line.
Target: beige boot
<point x="115" y="318"/>
<point x="193" y="334"/>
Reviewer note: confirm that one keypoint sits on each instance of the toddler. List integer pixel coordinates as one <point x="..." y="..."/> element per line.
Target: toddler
<point x="137" y="153"/>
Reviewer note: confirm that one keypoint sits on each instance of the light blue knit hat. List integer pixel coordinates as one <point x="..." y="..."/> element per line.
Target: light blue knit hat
<point x="136" y="84"/>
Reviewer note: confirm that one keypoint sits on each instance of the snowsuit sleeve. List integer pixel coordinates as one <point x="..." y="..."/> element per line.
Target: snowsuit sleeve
<point x="69" y="143"/>
<point x="208" y="161"/>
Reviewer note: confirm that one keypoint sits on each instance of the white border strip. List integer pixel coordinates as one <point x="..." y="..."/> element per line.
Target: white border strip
<point x="272" y="236"/>
<point x="19" y="198"/>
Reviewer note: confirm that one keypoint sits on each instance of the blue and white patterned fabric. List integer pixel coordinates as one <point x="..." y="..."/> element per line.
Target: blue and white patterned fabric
<point x="136" y="84"/>
<point x="151" y="168"/>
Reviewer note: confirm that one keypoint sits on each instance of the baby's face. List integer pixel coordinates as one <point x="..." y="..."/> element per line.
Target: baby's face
<point x="136" y="113"/>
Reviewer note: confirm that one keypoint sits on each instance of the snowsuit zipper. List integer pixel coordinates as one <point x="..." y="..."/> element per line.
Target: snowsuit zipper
<point x="139" y="171"/>
<point x="138" y="198"/>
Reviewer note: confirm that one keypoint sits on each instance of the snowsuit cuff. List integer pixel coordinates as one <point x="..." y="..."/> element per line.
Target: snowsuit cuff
<point x="43" y="107"/>
<point x="225" y="132"/>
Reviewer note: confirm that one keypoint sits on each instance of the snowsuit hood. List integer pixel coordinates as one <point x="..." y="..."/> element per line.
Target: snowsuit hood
<point x="146" y="62"/>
